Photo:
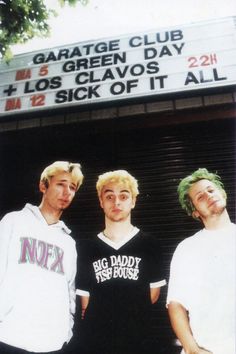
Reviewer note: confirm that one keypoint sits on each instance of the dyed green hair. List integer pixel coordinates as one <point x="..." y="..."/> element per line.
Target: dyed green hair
<point x="187" y="182"/>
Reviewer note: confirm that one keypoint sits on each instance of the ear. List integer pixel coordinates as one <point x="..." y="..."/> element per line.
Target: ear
<point x="100" y="201"/>
<point x="133" y="202"/>
<point x="195" y="214"/>
<point x="42" y="187"/>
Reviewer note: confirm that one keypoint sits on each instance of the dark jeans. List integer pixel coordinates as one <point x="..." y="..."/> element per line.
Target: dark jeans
<point x="8" y="349"/>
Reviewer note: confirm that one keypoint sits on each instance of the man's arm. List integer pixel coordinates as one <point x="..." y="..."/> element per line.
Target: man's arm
<point x="83" y="275"/>
<point x="180" y="324"/>
<point x="6" y="225"/>
<point x="154" y="294"/>
<point x="84" y="300"/>
<point x="71" y="287"/>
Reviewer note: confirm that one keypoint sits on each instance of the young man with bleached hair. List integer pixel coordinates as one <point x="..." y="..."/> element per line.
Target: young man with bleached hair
<point x="201" y="297"/>
<point x="37" y="268"/>
<point x="119" y="274"/>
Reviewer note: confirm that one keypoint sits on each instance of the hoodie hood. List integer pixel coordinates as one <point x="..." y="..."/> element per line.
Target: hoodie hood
<point x="38" y="215"/>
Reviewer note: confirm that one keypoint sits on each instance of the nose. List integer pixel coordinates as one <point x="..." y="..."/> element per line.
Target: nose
<point x="116" y="201"/>
<point x="208" y="195"/>
<point x="67" y="191"/>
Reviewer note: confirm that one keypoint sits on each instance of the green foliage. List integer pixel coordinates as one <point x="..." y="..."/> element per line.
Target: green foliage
<point x="21" y="20"/>
<point x="73" y="2"/>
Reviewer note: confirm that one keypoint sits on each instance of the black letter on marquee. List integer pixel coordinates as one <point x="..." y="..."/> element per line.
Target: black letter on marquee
<point x="10" y="90"/>
<point x="191" y="78"/>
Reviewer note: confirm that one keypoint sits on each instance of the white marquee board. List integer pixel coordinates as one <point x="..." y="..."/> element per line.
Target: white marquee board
<point x="165" y="61"/>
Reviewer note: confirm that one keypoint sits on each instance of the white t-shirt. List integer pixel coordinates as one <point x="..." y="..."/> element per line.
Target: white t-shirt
<point x="202" y="279"/>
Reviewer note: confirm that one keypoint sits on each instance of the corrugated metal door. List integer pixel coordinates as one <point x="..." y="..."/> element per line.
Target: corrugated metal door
<point x="157" y="157"/>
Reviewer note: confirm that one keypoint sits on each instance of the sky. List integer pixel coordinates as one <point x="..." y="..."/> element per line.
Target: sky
<point x="110" y="18"/>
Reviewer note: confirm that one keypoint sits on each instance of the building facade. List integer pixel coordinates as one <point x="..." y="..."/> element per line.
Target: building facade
<point x="159" y="104"/>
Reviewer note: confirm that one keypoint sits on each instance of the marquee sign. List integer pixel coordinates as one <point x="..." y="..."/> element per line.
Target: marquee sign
<point x="171" y="60"/>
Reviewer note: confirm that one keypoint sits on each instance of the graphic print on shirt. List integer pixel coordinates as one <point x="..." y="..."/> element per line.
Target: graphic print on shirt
<point x="116" y="266"/>
<point x="41" y="253"/>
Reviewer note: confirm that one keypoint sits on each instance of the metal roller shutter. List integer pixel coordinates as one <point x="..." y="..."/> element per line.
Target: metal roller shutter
<point x="157" y="157"/>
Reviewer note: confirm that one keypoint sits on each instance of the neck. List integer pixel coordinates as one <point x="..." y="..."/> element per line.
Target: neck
<point x="117" y="231"/>
<point x="52" y="216"/>
<point x="217" y="221"/>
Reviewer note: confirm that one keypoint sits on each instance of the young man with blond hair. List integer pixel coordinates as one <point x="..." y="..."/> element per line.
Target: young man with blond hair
<point x="201" y="295"/>
<point x="37" y="268"/>
<point x="119" y="274"/>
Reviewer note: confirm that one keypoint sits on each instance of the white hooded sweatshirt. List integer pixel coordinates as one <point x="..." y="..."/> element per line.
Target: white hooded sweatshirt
<point x="37" y="272"/>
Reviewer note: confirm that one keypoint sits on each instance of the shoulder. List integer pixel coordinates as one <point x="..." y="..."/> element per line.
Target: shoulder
<point x="11" y="221"/>
<point x="233" y="225"/>
<point x="13" y="215"/>
<point x="70" y="239"/>
<point x="188" y="244"/>
<point x="149" y="244"/>
<point x="147" y="238"/>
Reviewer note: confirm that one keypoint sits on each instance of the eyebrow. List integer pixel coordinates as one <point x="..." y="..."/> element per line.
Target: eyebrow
<point x="202" y="191"/>
<point x="65" y="180"/>
<point x="111" y="191"/>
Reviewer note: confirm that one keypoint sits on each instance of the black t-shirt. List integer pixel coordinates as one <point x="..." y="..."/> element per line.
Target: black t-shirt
<point x="118" y="281"/>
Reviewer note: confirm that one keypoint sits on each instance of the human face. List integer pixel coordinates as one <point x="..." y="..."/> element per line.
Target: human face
<point x="117" y="201"/>
<point x="207" y="199"/>
<point x="60" y="192"/>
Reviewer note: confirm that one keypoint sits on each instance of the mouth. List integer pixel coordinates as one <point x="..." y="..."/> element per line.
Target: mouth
<point x="116" y="210"/>
<point x="213" y="202"/>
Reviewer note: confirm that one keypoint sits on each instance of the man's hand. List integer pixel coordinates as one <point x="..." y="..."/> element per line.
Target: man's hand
<point x="200" y="351"/>
<point x="204" y="351"/>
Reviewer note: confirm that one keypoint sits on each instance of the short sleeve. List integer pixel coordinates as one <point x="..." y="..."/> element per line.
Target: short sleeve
<point x="155" y="261"/>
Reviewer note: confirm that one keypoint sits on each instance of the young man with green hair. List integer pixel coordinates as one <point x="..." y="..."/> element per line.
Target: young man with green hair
<point x="201" y="293"/>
